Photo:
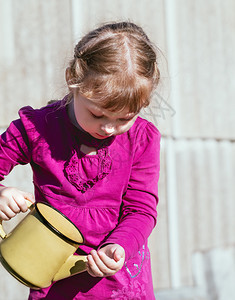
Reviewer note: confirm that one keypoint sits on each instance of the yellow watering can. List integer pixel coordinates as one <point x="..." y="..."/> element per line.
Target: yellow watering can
<point x="40" y="249"/>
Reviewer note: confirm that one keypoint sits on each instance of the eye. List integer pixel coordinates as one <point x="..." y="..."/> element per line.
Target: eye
<point x="95" y="116"/>
<point x="125" y="120"/>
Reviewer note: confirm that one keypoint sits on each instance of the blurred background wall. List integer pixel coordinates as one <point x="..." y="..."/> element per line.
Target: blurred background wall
<point x="192" y="247"/>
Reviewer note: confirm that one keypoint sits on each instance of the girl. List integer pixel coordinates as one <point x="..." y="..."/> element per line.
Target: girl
<point x="96" y="161"/>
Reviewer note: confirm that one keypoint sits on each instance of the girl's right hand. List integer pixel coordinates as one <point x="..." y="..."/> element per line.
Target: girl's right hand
<point x="12" y="201"/>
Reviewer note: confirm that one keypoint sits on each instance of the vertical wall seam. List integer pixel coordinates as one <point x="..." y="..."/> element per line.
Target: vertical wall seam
<point x="172" y="209"/>
<point x="77" y="19"/>
<point x="173" y="57"/>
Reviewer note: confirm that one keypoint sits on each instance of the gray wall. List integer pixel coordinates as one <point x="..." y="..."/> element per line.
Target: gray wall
<point x="193" y="108"/>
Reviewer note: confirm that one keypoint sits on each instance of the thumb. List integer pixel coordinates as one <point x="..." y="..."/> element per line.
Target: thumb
<point x="28" y="196"/>
<point x="118" y="253"/>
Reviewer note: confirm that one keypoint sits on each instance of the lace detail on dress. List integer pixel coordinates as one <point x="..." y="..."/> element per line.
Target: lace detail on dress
<point x="72" y="171"/>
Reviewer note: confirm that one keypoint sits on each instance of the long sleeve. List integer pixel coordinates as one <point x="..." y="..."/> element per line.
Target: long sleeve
<point x="138" y="212"/>
<point x="14" y="148"/>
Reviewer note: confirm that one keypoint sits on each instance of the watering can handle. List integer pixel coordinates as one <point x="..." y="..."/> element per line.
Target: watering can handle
<point x="2" y="232"/>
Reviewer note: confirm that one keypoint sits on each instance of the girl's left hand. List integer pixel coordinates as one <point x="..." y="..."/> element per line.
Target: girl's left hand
<point x="106" y="261"/>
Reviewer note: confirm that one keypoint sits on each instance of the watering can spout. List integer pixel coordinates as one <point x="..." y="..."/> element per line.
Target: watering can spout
<point x="75" y="264"/>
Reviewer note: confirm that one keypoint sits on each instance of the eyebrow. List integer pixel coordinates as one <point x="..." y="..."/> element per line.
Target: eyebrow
<point x="99" y="110"/>
<point x="93" y="106"/>
<point x="100" y="113"/>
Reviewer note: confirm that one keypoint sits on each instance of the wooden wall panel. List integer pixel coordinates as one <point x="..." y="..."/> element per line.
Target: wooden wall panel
<point x="158" y="241"/>
<point x="205" y="197"/>
<point x="201" y="46"/>
<point x="42" y="42"/>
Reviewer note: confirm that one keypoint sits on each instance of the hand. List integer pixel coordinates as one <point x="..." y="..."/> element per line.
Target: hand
<point x="12" y="201"/>
<point x="107" y="261"/>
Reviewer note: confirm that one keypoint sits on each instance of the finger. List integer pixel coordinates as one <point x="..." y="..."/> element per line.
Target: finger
<point x="3" y="216"/>
<point x="20" y="201"/>
<point x="114" y="252"/>
<point x="14" y="206"/>
<point x="105" y="264"/>
<point x="100" y="264"/>
<point x="93" y="269"/>
<point x="7" y="213"/>
<point x="117" y="257"/>
<point x="109" y="263"/>
<point x="103" y="268"/>
<point x="119" y="253"/>
<point x="29" y="196"/>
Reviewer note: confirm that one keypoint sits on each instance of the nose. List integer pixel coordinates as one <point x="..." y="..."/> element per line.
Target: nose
<point x="108" y="129"/>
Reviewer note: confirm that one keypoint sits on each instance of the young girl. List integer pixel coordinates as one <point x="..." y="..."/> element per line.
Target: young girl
<point x="97" y="162"/>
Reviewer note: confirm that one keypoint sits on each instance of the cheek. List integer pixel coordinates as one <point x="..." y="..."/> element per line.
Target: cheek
<point x="90" y="123"/>
<point x="82" y="116"/>
<point x="126" y="127"/>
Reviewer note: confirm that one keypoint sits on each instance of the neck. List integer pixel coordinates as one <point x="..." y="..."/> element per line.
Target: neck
<point x="72" y="116"/>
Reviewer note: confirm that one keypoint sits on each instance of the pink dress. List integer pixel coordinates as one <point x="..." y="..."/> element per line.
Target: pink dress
<point x="110" y="196"/>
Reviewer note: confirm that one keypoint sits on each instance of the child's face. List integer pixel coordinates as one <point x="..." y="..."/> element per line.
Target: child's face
<point x="99" y="122"/>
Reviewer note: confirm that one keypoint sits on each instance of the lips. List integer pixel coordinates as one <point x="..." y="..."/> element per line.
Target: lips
<point x="103" y="136"/>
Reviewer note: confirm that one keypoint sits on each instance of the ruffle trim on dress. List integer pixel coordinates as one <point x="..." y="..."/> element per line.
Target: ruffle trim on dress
<point x="71" y="170"/>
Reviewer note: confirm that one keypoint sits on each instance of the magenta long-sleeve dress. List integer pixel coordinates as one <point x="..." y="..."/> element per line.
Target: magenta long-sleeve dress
<point x="110" y="196"/>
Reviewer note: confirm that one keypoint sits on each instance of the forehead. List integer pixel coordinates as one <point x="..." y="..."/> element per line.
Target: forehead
<point x="94" y="107"/>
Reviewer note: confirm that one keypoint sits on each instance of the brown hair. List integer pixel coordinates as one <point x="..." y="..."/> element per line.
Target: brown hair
<point x="115" y="66"/>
